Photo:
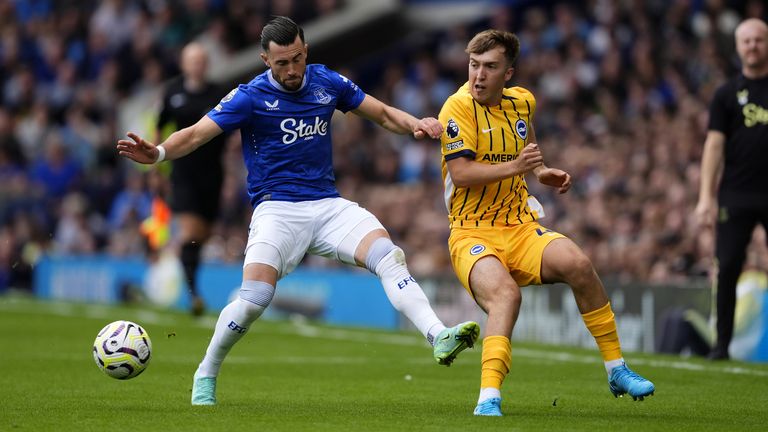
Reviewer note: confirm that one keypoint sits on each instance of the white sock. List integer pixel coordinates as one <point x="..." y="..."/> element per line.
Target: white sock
<point x="434" y="331"/>
<point x="232" y="324"/>
<point x="406" y="295"/>
<point x="609" y="365"/>
<point x="487" y="393"/>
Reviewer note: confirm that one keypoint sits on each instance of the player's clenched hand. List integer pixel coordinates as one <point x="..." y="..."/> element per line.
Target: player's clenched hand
<point x="428" y="127"/>
<point x="705" y="213"/>
<point x="529" y="158"/>
<point x="555" y="178"/>
<point x="138" y="149"/>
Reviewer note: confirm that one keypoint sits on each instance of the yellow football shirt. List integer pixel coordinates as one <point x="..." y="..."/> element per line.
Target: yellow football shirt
<point x="487" y="135"/>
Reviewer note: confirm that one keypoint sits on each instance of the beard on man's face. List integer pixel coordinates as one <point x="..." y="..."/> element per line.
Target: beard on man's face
<point x="290" y="83"/>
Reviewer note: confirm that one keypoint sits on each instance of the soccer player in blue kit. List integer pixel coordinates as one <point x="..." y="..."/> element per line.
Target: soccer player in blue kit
<point x="284" y="117"/>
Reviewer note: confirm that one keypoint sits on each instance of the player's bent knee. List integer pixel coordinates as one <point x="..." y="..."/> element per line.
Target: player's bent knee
<point x="379" y="249"/>
<point x="514" y="297"/>
<point x="387" y="261"/>
<point x="256" y="296"/>
<point x="508" y="296"/>
<point x="581" y="270"/>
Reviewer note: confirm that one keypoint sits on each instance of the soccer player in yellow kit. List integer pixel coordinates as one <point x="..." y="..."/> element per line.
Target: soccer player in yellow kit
<point x="496" y="242"/>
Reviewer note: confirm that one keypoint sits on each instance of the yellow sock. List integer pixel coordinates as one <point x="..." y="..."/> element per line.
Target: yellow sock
<point x="497" y="355"/>
<point x="602" y="325"/>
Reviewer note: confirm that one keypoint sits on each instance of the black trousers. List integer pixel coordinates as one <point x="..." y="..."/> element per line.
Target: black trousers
<point x="733" y="234"/>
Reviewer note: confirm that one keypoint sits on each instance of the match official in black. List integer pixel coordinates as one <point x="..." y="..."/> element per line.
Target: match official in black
<point x="196" y="179"/>
<point x="736" y="147"/>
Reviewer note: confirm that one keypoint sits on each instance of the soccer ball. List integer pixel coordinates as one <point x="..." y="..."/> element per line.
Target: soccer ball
<point x="122" y="349"/>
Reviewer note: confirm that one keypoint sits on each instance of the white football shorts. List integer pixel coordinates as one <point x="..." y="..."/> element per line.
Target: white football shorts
<point x="330" y="227"/>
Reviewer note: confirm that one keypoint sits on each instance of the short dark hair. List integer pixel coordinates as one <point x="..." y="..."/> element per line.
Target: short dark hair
<point x="280" y="30"/>
<point x="488" y="39"/>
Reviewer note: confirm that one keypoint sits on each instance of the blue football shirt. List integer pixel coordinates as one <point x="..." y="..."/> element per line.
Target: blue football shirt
<point x="286" y="136"/>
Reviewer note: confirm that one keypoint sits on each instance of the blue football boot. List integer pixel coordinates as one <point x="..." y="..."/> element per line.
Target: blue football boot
<point x="623" y="380"/>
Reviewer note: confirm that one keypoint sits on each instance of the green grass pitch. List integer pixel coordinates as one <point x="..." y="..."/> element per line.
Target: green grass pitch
<point x="287" y="376"/>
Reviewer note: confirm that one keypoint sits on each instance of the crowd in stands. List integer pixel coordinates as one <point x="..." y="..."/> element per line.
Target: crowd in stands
<point x="622" y="92"/>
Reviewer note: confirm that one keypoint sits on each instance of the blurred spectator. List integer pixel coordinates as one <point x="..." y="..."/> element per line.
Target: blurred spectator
<point x="132" y="204"/>
<point x="32" y="129"/>
<point x="73" y="233"/>
<point x="57" y="172"/>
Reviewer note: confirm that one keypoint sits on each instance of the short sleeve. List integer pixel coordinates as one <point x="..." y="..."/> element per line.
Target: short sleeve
<point x="532" y="102"/>
<point x="164" y="116"/>
<point x="233" y="110"/>
<point x="718" y="111"/>
<point x="460" y="136"/>
<point x="349" y="94"/>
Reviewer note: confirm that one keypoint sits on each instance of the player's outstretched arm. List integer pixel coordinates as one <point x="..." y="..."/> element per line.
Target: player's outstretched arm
<point x="398" y="121"/>
<point x="179" y="144"/>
